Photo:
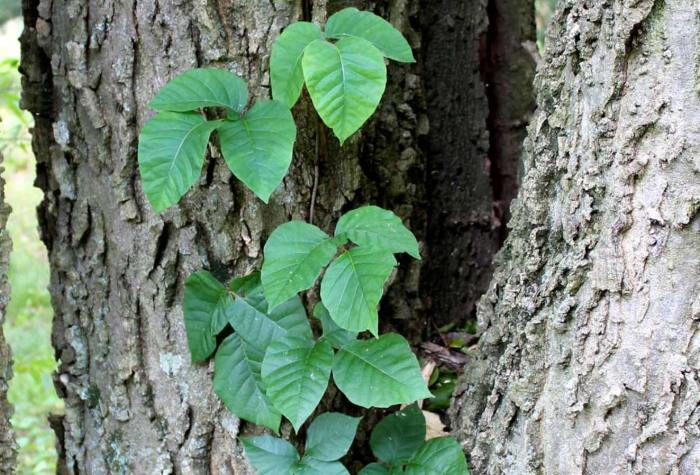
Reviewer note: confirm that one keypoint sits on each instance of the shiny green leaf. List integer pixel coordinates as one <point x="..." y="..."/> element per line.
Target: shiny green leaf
<point x="398" y="435"/>
<point x="441" y="456"/>
<point x="373" y="28"/>
<point x="238" y="383"/>
<point x="258" y="147"/>
<point x="346" y="81"/>
<point x="335" y="335"/>
<point x="353" y="286"/>
<point x="199" y="88"/>
<point x="286" y="75"/>
<point x="171" y="154"/>
<point x="330" y="436"/>
<point x="205" y="304"/>
<point x="379" y="372"/>
<point x="311" y="466"/>
<point x="295" y="254"/>
<point x="296" y="372"/>
<point x="270" y="455"/>
<point x="378" y="228"/>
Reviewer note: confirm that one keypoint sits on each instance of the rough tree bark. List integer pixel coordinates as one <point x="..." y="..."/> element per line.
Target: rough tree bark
<point x="8" y="453"/>
<point x="589" y="358"/>
<point x="134" y="402"/>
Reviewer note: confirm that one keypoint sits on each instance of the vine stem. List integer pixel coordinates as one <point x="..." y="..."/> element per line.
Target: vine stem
<point x="314" y="190"/>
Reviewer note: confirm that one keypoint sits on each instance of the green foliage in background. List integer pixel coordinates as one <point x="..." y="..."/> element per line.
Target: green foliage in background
<point x="28" y="324"/>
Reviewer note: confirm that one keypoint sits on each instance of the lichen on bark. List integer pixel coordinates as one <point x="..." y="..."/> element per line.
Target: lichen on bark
<point x="589" y="355"/>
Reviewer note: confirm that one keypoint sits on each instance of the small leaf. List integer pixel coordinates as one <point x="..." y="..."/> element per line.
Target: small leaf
<point x="199" y="88"/>
<point x="378" y="228"/>
<point x="295" y="254"/>
<point x="353" y="286"/>
<point x="311" y="466"/>
<point x="171" y="154"/>
<point x="373" y="28"/>
<point x="379" y="372"/>
<point x="260" y="329"/>
<point x="346" y="81"/>
<point x="330" y="436"/>
<point x="286" y="75"/>
<point x="238" y="383"/>
<point x="335" y="335"/>
<point x="442" y="456"/>
<point x="204" y="305"/>
<point x="374" y="469"/>
<point x="250" y="288"/>
<point x="398" y="435"/>
<point x="296" y="372"/>
<point x="258" y="147"/>
<point x="270" y="455"/>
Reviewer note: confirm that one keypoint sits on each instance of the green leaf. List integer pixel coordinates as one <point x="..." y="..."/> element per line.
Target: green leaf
<point x="286" y="75"/>
<point x="296" y="372"/>
<point x="353" y="286"/>
<point x="311" y="466"/>
<point x="373" y="28"/>
<point x="250" y="288"/>
<point x="260" y="329"/>
<point x="238" y="383"/>
<point x="199" y="88"/>
<point x="441" y="456"/>
<point x="374" y="469"/>
<point x="330" y="436"/>
<point x="335" y="335"/>
<point x="171" y="154"/>
<point x="379" y="372"/>
<point x="204" y="305"/>
<point x="398" y="435"/>
<point x="270" y="455"/>
<point x="295" y="254"/>
<point x="345" y="81"/>
<point x="378" y="228"/>
<point x="258" y="147"/>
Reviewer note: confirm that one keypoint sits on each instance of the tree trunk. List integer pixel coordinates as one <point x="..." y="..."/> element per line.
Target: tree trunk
<point x="8" y="453"/>
<point x="589" y="358"/>
<point x="134" y="402"/>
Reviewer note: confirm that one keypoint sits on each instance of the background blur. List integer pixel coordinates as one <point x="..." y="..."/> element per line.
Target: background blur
<point x="28" y="328"/>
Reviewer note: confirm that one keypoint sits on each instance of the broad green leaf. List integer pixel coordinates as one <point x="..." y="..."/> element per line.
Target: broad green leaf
<point x="398" y="435"/>
<point x="373" y="469"/>
<point x="296" y="372"/>
<point x="335" y="335"/>
<point x="379" y="372"/>
<point x="171" y="154"/>
<point x="260" y="329"/>
<point x="238" y="383"/>
<point x="377" y="228"/>
<point x="205" y="305"/>
<point x="258" y="147"/>
<point x="270" y="455"/>
<point x="353" y="286"/>
<point x="295" y="254"/>
<point x="346" y="81"/>
<point x="311" y="466"/>
<point x="286" y="75"/>
<point x="250" y="288"/>
<point x="373" y="28"/>
<point x="330" y="436"/>
<point x="199" y="88"/>
<point x="441" y="456"/>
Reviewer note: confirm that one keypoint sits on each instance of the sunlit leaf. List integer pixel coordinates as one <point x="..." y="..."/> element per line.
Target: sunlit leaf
<point x="378" y="228"/>
<point x="199" y="88"/>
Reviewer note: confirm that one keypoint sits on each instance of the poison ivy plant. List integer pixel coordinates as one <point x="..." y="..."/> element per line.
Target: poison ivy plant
<point x="256" y="145"/>
<point x="329" y="437"/>
<point x="297" y="252"/>
<point x="345" y="78"/>
<point x="398" y="441"/>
